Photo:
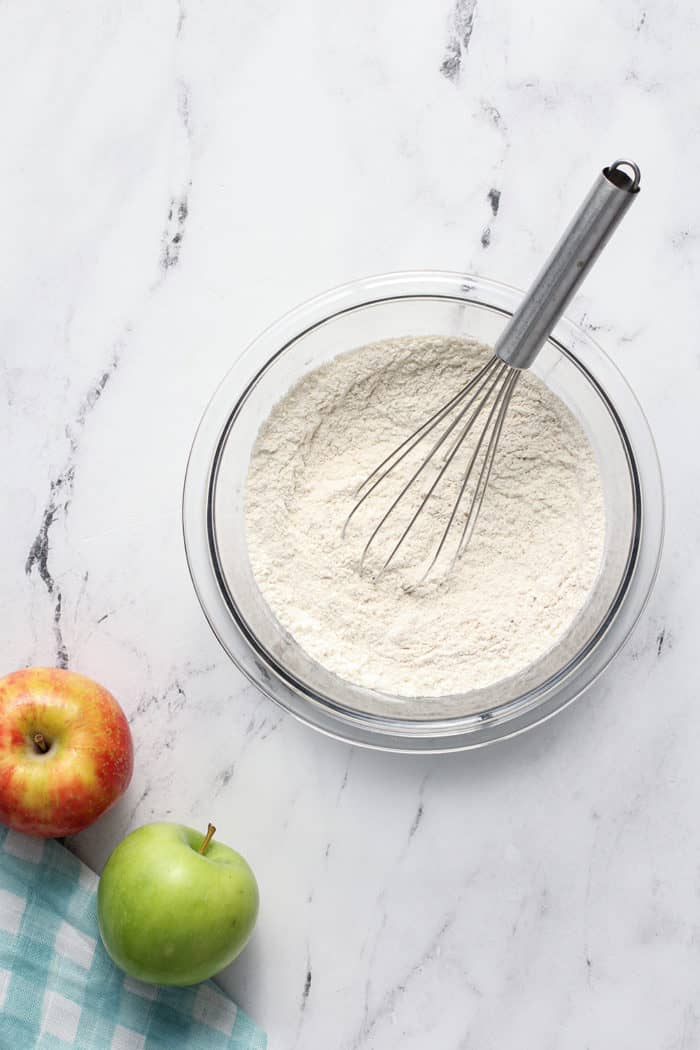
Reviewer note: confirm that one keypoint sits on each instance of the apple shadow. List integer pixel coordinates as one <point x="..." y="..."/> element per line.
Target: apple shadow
<point x="96" y="842"/>
<point x="241" y="979"/>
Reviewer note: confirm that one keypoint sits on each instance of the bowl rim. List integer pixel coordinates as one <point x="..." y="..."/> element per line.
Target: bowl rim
<point x="371" y="729"/>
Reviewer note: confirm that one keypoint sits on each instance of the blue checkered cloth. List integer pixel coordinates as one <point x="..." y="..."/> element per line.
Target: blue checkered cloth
<point x="58" y="986"/>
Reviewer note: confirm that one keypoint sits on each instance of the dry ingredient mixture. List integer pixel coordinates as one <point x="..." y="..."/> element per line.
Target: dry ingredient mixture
<point x="531" y="563"/>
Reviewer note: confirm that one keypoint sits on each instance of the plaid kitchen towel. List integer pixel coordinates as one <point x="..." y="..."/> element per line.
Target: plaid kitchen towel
<point x="58" y="986"/>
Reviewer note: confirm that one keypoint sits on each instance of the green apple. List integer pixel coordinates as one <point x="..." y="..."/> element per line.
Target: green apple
<point x="174" y="907"/>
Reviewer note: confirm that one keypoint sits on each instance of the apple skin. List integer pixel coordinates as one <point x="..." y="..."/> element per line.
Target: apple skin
<point x="170" y="915"/>
<point x="89" y="760"/>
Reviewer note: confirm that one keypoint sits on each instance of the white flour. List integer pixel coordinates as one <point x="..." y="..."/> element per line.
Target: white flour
<point x="532" y="561"/>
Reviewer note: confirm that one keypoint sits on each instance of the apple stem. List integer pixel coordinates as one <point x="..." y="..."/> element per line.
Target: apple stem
<point x="211" y="831"/>
<point x="41" y="743"/>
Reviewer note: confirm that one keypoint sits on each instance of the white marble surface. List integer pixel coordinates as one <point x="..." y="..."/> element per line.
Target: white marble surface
<point x="174" y="176"/>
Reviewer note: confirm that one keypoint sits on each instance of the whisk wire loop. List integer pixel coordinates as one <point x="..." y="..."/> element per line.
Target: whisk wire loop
<point x="443" y="470"/>
<point x="484" y="476"/>
<point x="481" y="387"/>
<point x="498" y="410"/>
<point x="406" y="447"/>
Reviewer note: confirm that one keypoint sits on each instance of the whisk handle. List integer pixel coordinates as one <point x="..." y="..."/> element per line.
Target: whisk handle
<point x="559" y="279"/>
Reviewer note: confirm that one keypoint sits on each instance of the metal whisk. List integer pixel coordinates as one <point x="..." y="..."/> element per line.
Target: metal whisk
<point x="487" y="395"/>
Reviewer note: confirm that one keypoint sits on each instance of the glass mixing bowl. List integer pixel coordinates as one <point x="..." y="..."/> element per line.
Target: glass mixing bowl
<point x="431" y="303"/>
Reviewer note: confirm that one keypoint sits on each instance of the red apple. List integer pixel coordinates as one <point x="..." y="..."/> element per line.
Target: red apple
<point x="65" y="751"/>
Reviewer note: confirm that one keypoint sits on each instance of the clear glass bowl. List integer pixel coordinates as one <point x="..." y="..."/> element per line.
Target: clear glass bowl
<point x="432" y="303"/>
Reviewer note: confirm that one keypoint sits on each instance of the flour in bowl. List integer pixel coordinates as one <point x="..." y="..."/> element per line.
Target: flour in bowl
<point x="527" y="573"/>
